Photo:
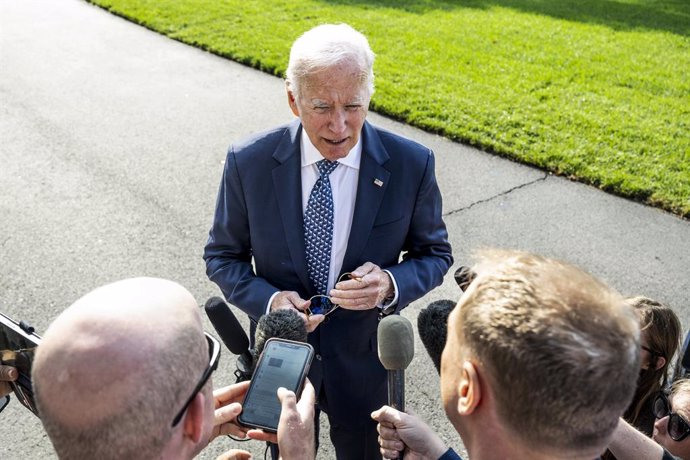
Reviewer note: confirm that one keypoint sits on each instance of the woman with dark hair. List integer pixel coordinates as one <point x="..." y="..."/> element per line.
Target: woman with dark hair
<point x="660" y="338"/>
<point x="660" y="334"/>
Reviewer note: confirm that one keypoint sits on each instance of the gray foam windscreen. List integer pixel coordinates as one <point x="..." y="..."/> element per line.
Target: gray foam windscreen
<point x="396" y="342"/>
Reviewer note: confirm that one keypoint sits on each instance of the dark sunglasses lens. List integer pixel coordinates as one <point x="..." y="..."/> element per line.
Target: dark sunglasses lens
<point x="660" y="407"/>
<point x="320" y="305"/>
<point x="677" y="427"/>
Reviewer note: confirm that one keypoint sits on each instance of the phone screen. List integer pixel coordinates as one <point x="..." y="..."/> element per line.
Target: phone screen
<point x="283" y="363"/>
<point x="17" y="349"/>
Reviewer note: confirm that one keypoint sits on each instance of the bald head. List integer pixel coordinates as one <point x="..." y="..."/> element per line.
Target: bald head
<point x="126" y="348"/>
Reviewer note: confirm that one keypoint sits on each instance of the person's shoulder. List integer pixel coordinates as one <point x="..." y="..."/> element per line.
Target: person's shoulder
<point x="264" y="140"/>
<point x="394" y="142"/>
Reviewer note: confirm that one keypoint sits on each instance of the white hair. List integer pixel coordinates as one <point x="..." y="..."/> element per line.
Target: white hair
<point x="325" y="46"/>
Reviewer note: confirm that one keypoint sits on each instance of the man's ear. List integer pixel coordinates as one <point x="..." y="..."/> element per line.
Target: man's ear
<point x="469" y="391"/>
<point x="194" y="418"/>
<point x="292" y="101"/>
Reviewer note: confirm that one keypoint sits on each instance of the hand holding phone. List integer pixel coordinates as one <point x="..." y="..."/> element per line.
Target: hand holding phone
<point x="7" y="374"/>
<point x="18" y="344"/>
<point x="295" y="436"/>
<point x="283" y="363"/>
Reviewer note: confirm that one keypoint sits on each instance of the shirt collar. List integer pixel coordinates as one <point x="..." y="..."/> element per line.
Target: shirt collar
<point x="311" y="155"/>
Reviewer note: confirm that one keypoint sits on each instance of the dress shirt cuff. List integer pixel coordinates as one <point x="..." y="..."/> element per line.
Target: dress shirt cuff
<point x="270" y="301"/>
<point x="391" y="303"/>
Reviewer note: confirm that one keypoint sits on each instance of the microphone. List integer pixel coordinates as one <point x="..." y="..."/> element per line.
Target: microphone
<point x="396" y="350"/>
<point x="432" y="324"/>
<point x="232" y="334"/>
<point x="282" y="324"/>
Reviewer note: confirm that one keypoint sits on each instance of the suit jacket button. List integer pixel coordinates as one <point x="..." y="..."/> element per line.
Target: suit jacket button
<point x="318" y="356"/>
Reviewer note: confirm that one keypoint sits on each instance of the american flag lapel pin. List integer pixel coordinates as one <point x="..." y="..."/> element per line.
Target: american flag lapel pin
<point x="378" y="182"/>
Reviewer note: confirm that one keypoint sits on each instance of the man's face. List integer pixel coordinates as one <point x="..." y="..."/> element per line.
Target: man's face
<point x="680" y="404"/>
<point x="332" y="107"/>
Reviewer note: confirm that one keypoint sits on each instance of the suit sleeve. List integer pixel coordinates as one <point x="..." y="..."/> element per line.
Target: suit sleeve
<point x="427" y="252"/>
<point x="228" y="252"/>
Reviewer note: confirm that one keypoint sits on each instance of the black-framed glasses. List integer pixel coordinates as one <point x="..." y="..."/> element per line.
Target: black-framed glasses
<point x="678" y="428"/>
<point x="214" y="357"/>
<point x="321" y="304"/>
<point x="4" y="401"/>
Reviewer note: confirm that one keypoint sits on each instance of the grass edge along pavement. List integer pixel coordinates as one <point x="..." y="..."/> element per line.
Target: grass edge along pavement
<point x="597" y="91"/>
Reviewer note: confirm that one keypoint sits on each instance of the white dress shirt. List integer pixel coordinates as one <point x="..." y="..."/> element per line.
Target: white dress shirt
<point x="344" y="180"/>
<point x="344" y="187"/>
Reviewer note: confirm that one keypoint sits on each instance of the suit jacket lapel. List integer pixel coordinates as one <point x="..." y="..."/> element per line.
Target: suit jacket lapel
<point x="371" y="188"/>
<point x="287" y="181"/>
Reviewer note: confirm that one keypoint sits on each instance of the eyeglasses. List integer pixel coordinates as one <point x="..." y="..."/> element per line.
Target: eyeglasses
<point x="464" y="277"/>
<point x="214" y="356"/>
<point x="678" y="428"/>
<point x="322" y="304"/>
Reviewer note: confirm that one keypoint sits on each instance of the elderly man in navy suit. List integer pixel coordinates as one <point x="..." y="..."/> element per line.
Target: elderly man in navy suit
<point x="336" y="219"/>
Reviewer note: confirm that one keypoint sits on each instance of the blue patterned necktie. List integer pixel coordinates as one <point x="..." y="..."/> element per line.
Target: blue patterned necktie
<point x="318" y="227"/>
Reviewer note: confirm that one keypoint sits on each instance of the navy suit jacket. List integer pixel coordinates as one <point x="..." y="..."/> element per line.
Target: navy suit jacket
<point x="397" y="224"/>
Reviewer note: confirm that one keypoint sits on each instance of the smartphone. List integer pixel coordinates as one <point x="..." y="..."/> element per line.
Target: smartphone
<point x="18" y="343"/>
<point x="283" y="363"/>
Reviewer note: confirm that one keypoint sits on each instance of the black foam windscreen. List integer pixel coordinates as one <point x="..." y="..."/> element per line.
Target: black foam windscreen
<point x="396" y="342"/>
<point x="432" y="324"/>
<point x="226" y="324"/>
<point x="283" y="324"/>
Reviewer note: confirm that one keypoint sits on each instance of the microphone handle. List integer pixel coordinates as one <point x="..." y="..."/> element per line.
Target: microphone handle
<point x="243" y="371"/>
<point x="396" y="393"/>
<point x="396" y="389"/>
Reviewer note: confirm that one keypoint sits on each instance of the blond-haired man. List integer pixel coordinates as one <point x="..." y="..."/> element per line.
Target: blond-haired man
<point x="540" y="362"/>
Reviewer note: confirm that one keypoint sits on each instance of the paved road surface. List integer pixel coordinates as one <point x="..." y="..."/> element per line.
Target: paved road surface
<point x="111" y="146"/>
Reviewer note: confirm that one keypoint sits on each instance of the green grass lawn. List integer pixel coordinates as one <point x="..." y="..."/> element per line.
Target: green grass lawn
<point x="596" y="90"/>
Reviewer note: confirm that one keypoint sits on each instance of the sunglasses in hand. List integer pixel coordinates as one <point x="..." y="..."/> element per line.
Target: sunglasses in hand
<point x="321" y="304"/>
<point x="678" y="428"/>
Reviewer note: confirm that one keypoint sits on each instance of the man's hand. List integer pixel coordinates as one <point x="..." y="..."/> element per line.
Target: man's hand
<point x="292" y="301"/>
<point x="227" y="404"/>
<point x="295" y="435"/>
<point x="399" y="431"/>
<point x="7" y="374"/>
<point x="366" y="289"/>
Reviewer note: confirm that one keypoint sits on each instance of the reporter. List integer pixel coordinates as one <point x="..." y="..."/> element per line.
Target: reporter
<point x="7" y="374"/>
<point x="672" y="426"/>
<point x="660" y="335"/>
<point x="671" y="429"/>
<point x="126" y="372"/>
<point x="540" y="362"/>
